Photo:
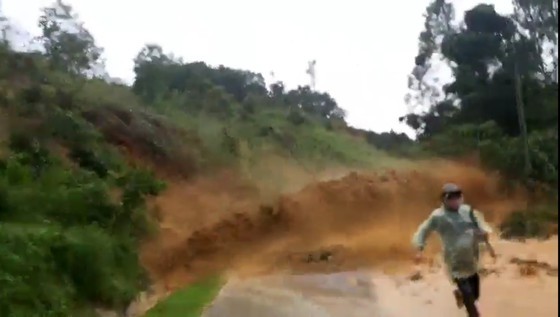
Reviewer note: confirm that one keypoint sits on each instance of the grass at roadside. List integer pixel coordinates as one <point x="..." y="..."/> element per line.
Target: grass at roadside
<point x="188" y="302"/>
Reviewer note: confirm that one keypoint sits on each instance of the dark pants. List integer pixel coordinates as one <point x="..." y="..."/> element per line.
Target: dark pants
<point x="470" y="291"/>
<point x="469" y="285"/>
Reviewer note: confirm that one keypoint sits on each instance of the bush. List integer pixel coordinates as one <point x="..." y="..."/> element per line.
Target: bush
<point x="296" y="117"/>
<point x="64" y="241"/>
<point x="506" y="154"/>
<point x="111" y="276"/>
<point x="48" y="270"/>
<point x="31" y="285"/>
<point x="500" y="152"/>
<point x="540" y="222"/>
<point x="87" y="159"/>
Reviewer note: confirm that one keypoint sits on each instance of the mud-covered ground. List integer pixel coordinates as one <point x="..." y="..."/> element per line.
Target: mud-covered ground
<point x="522" y="282"/>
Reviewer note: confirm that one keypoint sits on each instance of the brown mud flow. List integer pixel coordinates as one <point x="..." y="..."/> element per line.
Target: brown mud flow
<point x="359" y="220"/>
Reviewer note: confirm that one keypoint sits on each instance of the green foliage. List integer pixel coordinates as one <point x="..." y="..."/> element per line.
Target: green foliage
<point x="463" y="139"/>
<point x="72" y="51"/>
<point x="296" y="117"/>
<point x="188" y="302"/>
<point x="290" y="133"/>
<point x="197" y="86"/>
<point x="395" y="143"/>
<point x="506" y="154"/>
<point x="498" y="151"/>
<point x="48" y="270"/>
<point x="31" y="284"/>
<point x="540" y="222"/>
<point x="64" y="240"/>
<point x="502" y="87"/>
<point x="70" y="128"/>
<point x="77" y="243"/>
<point x="112" y="275"/>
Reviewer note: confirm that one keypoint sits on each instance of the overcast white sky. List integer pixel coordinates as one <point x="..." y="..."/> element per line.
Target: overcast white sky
<point x="364" y="49"/>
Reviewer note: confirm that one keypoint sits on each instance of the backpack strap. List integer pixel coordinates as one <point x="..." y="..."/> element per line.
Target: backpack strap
<point x="477" y="226"/>
<point x="473" y="218"/>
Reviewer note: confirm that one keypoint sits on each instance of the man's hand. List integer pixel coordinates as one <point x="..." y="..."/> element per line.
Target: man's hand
<point x="418" y="257"/>
<point x="483" y="235"/>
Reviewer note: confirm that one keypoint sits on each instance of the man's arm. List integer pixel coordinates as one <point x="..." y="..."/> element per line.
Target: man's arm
<point x="423" y="232"/>
<point x="482" y="224"/>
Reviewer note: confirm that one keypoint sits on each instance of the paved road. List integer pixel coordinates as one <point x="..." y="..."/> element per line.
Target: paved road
<point x="361" y="294"/>
<point x="350" y="294"/>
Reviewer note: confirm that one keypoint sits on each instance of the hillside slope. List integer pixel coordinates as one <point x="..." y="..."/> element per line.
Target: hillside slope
<point x="81" y="157"/>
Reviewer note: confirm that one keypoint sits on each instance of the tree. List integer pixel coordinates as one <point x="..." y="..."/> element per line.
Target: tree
<point x="159" y="74"/>
<point x="483" y="55"/>
<point x="4" y="25"/>
<point x="501" y="74"/>
<point x="152" y="68"/>
<point x="515" y="52"/>
<point x="277" y="90"/>
<point x="67" y="43"/>
<point x="314" y="103"/>
<point x="423" y="85"/>
<point x="539" y="18"/>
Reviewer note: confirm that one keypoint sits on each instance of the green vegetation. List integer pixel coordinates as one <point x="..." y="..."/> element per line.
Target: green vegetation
<point x="538" y="222"/>
<point x="188" y="302"/>
<point x="239" y="119"/>
<point x="503" y="100"/>
<point x="65" y="241"/>
<point x="69" y="224"/>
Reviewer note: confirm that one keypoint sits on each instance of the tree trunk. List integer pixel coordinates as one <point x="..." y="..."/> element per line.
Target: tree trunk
<point x="521" y="117"/>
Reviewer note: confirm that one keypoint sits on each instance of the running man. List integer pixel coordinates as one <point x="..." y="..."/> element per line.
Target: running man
<point x="461" y="230"/>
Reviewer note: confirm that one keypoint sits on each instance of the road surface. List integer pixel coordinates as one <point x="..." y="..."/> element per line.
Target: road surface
<point x="508" y="289"/>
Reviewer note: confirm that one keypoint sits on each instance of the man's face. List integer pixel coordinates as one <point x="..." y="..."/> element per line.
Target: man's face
<point x="454" y="200"/>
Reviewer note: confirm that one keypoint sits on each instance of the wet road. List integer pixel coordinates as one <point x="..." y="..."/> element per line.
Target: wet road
<point x="359" y="294"/>
<point x="350" y="294"/>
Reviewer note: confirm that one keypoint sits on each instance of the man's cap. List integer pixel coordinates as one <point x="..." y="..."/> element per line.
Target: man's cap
<point x="450" y="188"/>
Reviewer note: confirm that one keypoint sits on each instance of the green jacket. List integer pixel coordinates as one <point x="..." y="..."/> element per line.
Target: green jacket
<point x="458" y="234"/>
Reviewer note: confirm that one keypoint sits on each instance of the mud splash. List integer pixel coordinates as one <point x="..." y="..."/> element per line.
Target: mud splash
<point x="359" y="220"/>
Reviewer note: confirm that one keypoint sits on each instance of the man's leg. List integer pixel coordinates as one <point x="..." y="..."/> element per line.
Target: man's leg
<point x="469" y="294"/>
<point x="474" y="282"/>
<point x="458" y="298"/>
